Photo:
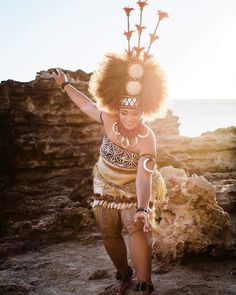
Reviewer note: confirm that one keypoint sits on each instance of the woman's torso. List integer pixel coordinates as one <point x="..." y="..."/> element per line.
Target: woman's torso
<point x="118" y="156"/>
<point x="116" y="169"/>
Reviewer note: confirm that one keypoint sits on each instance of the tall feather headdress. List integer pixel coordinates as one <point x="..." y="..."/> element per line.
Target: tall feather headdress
<point x="132" y="79"/>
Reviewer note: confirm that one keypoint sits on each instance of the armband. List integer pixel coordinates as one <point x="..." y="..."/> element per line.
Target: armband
<point x="150" y="158"/>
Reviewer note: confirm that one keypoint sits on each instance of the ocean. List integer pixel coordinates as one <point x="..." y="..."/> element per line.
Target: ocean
<point x="200" y="115"/>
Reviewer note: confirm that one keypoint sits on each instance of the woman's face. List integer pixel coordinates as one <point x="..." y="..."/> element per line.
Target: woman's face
<point x="130" y="118"/>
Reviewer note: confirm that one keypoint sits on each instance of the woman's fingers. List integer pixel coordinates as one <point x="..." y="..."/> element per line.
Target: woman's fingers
<point x="57" y="73"/>
<point x="146" y="226"/>
<point x="145" y="219"/>
<point x="59" y="76"/>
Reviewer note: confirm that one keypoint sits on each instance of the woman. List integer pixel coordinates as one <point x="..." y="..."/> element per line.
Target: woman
<point x="126" y="180"/>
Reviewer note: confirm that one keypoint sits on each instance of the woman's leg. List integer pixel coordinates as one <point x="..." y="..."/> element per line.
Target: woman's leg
<point x="110" y="225"/>
<point x="116" y="249"/>
<point x="140" y="247"/>
<point x="141" y="255"/>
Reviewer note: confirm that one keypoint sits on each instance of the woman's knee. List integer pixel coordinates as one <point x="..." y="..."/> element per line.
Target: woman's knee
<point x="140" y="236"/>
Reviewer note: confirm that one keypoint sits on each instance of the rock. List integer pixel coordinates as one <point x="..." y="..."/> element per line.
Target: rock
<point x="190" y="220"/>
<point x="129" y="291"/>
<point x="77" y="218"/>
<point x="90" y="238"/>
<point x="233" y="272"/>
<point x="164" y="158"/>
<point x="226" y="193"/>
<point x="46" y="132"/>
<point x="13" y="290"/>
<point x="161" y="270"/>
<point x="42" y="212"/>
<point x="212" y="152"/>
<point x="99" y="275"/>
<point x="212" y="155"/>
<point x="168" y="125"/>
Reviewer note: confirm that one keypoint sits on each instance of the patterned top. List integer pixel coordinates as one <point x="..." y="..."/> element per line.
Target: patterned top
<point x="118" y="156"/>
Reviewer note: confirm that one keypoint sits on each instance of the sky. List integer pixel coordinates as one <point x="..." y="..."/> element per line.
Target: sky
<point x="196" y="48"/>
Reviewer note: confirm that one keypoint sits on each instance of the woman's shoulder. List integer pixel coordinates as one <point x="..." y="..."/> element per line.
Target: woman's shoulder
<point x="148" y="143"/>
<point x="151" y="135"/>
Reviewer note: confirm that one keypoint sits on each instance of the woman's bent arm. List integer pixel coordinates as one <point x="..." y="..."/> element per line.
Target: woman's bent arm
<point x="80" y="99"/>
<point x="144" y="178"/>
<point x="83" y="102"/>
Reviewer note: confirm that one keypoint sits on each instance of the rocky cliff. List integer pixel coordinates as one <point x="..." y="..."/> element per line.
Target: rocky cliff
<point x="48" y="148"/>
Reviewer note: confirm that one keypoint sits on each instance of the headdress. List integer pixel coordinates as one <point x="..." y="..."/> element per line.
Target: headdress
<point x="132" y="79"/>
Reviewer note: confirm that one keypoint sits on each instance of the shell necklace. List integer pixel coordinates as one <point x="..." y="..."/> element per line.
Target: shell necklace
<point x="130" y="137"/>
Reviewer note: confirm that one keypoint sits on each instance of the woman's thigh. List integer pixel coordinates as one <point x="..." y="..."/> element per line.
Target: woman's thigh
<point x="109" y="221"/>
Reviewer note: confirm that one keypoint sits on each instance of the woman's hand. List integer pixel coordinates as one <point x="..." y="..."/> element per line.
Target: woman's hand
<point x="144" y="217"/>
<point x="59" y="76"/>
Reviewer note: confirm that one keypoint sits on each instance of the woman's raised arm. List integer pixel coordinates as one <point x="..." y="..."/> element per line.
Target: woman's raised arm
<point x="80" y="99"/>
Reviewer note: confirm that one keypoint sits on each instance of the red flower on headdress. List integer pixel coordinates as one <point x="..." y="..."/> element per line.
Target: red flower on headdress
<point x="153" y="37"/>
<point x="140" y="28"/>
<point x="142" y="4"/>
<point x="138" y="50"/>
<point x="128" y="34"/>
<point x="128" y="10"/>
<point x="162" y="14"/>
<point x="129" y="53"/>
<point x="146" y="56"/>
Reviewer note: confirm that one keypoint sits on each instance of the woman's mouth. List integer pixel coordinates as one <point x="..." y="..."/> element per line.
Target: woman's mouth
<point x="130" y="125"/>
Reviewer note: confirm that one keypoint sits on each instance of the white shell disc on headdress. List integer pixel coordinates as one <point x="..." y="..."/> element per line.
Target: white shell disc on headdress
<point x="133" y="87"/>
<point x="135" y="71"/>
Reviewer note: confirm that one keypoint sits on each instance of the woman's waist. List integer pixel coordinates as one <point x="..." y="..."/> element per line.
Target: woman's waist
<point x="115" y="174"/>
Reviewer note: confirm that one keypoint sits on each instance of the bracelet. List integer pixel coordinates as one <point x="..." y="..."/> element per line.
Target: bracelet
<point x="63" y="85"/>
<point x="140" y="209"/>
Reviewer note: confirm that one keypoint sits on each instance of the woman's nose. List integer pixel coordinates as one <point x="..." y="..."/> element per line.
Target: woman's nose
<point x="130" y="119"/>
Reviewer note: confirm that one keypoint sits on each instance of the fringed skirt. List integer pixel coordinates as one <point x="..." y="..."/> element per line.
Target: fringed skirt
<point x="115" y="187"/>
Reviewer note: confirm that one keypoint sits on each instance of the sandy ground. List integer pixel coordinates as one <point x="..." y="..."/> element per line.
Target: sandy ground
<point x="83" y="267"/>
